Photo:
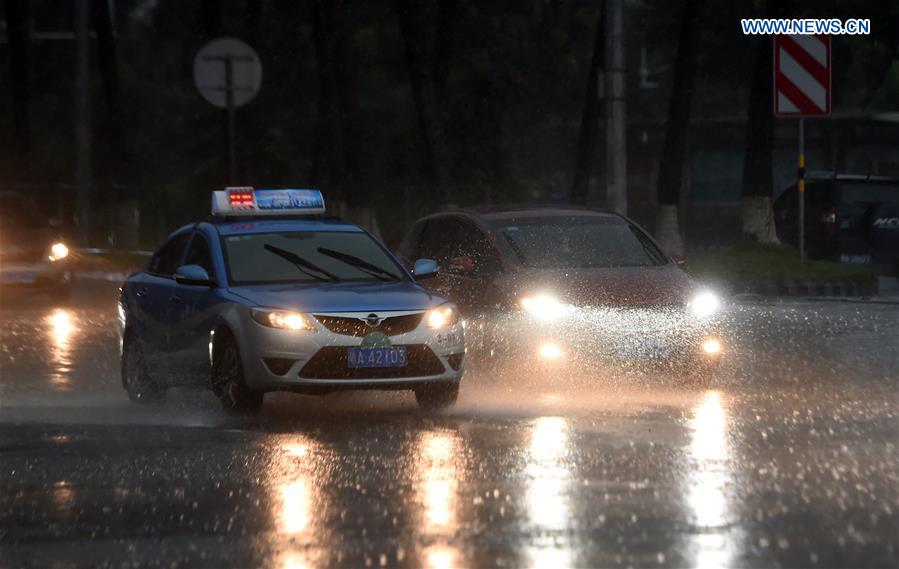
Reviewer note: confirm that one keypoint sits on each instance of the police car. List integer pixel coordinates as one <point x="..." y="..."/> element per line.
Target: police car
<point x="270" y="295"/>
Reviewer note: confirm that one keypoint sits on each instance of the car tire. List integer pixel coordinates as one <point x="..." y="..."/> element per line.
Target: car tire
<point x="227" y="379"/>
<point x="438" y="396"/>
<point x="136" y="380"/>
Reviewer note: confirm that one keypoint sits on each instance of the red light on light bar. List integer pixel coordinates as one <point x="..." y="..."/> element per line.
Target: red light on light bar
<point x="240" y="198"/>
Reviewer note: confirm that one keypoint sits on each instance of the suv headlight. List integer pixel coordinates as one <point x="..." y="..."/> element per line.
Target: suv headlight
<point x="442" y="316"/>
<point x="58" y="251"/>
<point x="704" y="304"/>
<point x="281" y="319"/>
<point x="544" y="306"/>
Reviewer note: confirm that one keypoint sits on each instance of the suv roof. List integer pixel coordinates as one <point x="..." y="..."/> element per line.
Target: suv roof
<point x="505" y="211"/>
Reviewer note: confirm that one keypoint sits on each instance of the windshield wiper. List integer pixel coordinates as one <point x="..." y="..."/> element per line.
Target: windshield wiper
<point x="301" y="264"/>
<point x="360" y="264"/>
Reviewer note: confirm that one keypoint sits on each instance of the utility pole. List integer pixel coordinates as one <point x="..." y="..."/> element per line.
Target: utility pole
<point x="83" y="176"/>
<point x="616" y="117"/>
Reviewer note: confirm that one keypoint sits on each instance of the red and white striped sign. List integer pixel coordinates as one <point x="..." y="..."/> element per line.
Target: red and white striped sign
<point x="802" y="76"/>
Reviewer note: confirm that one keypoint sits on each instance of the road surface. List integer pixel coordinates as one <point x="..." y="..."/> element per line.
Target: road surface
<point x="790" y="459"/>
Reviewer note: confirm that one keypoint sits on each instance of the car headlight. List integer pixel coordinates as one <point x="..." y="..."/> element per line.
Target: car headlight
<point x="58" y="251"/>
<point x="442" y="316"/>
<point x="544" y="306"/>
<point x="704" y="304"/>
<point x="282" y="319"/>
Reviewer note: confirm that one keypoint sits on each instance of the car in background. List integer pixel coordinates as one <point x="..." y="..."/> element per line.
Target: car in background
<point x="564" y="286"/>
<point x="34" y="255"/>
<point x="272" y="296"/>
<point x="848" y="219"/>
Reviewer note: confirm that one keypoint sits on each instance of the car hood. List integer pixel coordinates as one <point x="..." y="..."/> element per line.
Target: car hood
<point x="341" y="297"/>
<point x="625" y="287"/>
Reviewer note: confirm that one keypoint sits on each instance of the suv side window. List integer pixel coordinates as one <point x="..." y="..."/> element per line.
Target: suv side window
<point x="199" y="253"/>
<point x="165" y="261"/>
<point x="470" y="242"/>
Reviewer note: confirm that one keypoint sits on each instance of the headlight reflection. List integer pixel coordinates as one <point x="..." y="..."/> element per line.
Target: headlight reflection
<point x="707" y="480"/>
<point x="548" y="488"/>
<point x="60" y="329"/>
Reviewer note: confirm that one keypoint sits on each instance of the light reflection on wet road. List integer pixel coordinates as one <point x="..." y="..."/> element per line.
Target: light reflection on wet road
<point x="789" y="459"/>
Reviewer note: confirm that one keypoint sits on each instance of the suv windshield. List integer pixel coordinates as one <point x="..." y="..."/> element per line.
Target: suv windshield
<point x="576" y="242"/>
<point x="303" y="257"/>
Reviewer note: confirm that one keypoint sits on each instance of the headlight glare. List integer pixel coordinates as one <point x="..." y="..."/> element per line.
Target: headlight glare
<point x="282" y="319"/>
<point x="442" y="316"/>
<point x="58" y="251"/>
<point x="544" y="306"/>
<point x="704" y="304"/>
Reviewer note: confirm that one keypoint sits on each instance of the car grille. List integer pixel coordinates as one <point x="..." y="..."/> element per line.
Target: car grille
<point x="390" y="326"/>
<point x="330" y="363"/>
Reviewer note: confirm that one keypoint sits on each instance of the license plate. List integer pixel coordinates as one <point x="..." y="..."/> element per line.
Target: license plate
<point x="394" y="356"/>
<point x="644" y="349"/>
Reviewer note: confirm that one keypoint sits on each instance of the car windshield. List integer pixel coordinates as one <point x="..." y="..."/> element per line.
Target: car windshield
<point x="576" y="242"/>
<point x="309" y="256"/>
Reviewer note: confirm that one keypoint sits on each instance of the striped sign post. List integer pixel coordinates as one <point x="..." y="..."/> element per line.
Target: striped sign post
<point x="801" y="89"/>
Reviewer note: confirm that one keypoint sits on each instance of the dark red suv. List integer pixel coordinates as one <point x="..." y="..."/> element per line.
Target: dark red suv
<point x="567" y="285"/>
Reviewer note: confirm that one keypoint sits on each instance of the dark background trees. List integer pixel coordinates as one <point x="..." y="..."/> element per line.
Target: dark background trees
<point x="404" y="106"/>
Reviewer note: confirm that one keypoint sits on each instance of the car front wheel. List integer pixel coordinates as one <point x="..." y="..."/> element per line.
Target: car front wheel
<point x="228" y="380"/>
<point x="135" y="378"/>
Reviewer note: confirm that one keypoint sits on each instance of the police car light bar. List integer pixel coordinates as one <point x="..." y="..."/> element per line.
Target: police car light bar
<point x="248" y="201"/>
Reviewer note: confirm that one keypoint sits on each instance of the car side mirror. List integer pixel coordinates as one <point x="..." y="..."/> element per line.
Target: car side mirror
<point x="679" y="260"/>
<point x="461" y="265"/>
<point x="425" y="268"/>
<point x="193" y="275"/>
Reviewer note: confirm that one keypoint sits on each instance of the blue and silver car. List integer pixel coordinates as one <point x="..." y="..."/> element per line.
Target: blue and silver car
<point x="271" y="296"/>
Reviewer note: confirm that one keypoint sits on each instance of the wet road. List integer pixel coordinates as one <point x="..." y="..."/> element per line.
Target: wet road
<point x="790" y="459"/>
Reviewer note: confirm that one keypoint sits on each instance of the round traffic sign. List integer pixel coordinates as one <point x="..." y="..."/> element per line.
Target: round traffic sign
<point x="227" y="67"/>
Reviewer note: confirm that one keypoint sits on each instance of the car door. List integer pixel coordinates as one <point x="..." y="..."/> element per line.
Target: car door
<point x="472" y="267"/>
<point x="194" y="310"/>
<point x="149" y="298"/>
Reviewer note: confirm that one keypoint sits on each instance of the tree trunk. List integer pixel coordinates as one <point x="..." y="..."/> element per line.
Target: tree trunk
<point x="327" y="162"/>
<point x="211" y="18"/>
<point x="671" y="168"/>
<point x="106" y="53"/>
<point x="447" y="21"/>
<point x="589" y="130"/>
<point x="18" y="22"/>
<point x="758" y="175"/>
<point x="429" y="109"/>
<point x="758" y="178"/>
<point x="251" y="17"/>
<point x="338" y="155"/>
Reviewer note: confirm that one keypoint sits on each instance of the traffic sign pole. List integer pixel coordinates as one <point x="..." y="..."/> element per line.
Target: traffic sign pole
<point x="228" y="74"/>
<point x="802" y="88"/>
<point x="229" y="105"/>
<point x="800" y="185"/>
